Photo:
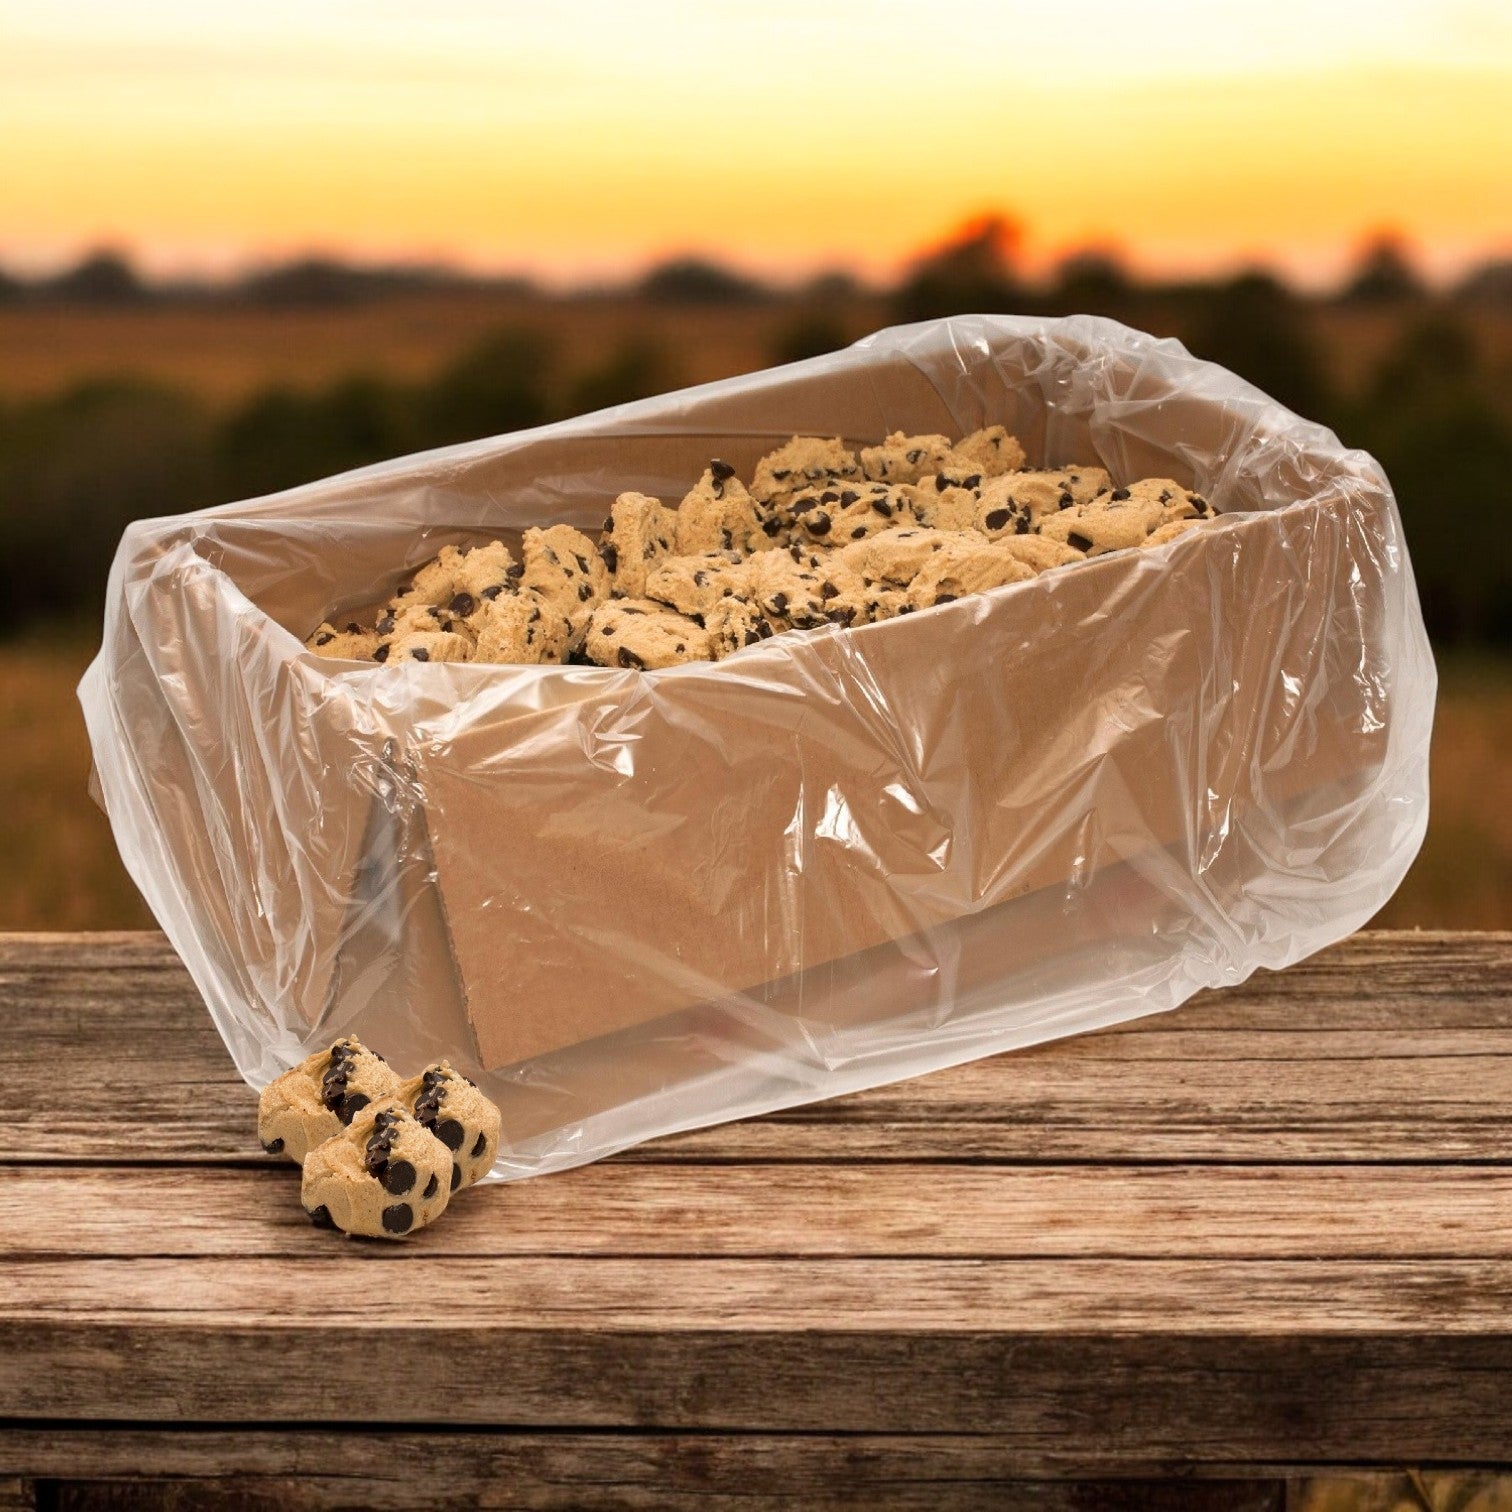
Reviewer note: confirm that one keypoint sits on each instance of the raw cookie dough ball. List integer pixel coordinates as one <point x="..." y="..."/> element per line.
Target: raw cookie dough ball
<point x="639" y="532"/>
<point x="320" y="1096"/>
<point x="457" y="1113"/>
<point x="861" y="603"/>
<point x="991" y="451"/>
<point x="1178" y="503"/>
<point x="640" y="633"/>
<point x="1169" y="532"/>
<point x="1037" y="552"/>
<point x="949" y="500"/>
<point x="1043" y="493"/>
<point x="998" y="514"/>
<point x="461" y="578"/>
<point x="964" y="564"/>
<point x="906" y="459"/>
<point x="1109" y="522"/>
<point x="850" y="511"/>
<point x="788" y="588"/>
<point x="426" y="646"/>
<point x="717" y="514"/>
<point x="733" y="624"/>
<point x="382" y="1178"/>
<point x="350" y="644"/>
<point x="692" y="585"/>
<point x="895" y="556"/>
<point x="524" y="627"/>
<point x="565" y="568"/>
<point x="802" y="463"/>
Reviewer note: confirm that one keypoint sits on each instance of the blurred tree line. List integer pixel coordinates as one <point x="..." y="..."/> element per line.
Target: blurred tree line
<point x="76" y="467"/>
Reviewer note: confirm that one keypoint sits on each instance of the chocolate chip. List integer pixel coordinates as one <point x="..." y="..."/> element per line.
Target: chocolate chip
<point x="849" y="496"/>
<point x="945" y="598"/>
<point x="353" y="628"/>
<point x="941" y="482"/>
<point x="779" y="603"/>
<point x="493" y="591"/>
<point x="828" y="590"/>
<point x="1079" y="541"/>
<point x="273" y="1146"/>
<point x="456" y="1179"/>
<point x="974" y="481"/>
<point x="431" y="1188"/>
<point x="859" y="533"/>
<point x="997" y="518"/>
<point x="479" y="1145"/>
<point x="916" y="454"/>
<point x="324" y="640"/>
<point x="463" y="605"/>
<point x="321" y="1217"/>
<point x="771" y="526"/>
<point x="608" y="524"/>
<point x="610" y="556"/>
<point x="582" y="562"/>
<point x="728" y="539"/>
<point x="819" y="525"/>
<point x="419" y="654"/>
<point x="352" y="1105"/>
<point x="626" y="658"/>
<point x="785" y="473"/>
<point x="883" y="508"/>
<point x="585" y="592"/>
<point x="515" y="570"/>
<point x="398" y="1219"/>
<point x="399" y="1177"/>
<point x="1021" y="527"/>
<point x="1119" y="494"/>
<point x="1065" y="501"/>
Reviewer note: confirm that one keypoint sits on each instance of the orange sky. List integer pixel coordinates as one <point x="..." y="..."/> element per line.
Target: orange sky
<point x="781" y="134"/>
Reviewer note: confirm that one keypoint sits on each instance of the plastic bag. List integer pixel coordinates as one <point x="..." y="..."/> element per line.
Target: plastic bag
<point x="631" y="903"/>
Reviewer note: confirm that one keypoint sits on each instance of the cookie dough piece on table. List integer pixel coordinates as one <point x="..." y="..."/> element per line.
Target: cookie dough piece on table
<point x="1110" y="522"/>
<point x="639" y="532"/>
<point x="524" y="628"/>
<point x="907" y="459"/>
<point x="965" y="564"/>
<point x="991" y="451"/>
<point x="352" y="643"/>
<point x="733" y="624"/>
<point x="717" y="514"/>
<point x="644" y="635"/>
<point x="565" y="568"/>
<point x="850" y="511"/>
<point x="949" y="500"/>
<point x="895" y="556"/>
<point x="453" y="1109"/>
<point x="692" y="585"/>
<point x="384" y="1177"/>
<point x="320" y="1096"/>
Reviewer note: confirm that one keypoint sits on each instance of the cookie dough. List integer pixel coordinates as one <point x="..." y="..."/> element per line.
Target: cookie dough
<point x="320" y="1096"/>
<point x="991" y="451"/>
<point x="565" y="568"/>
<point x="1112" y="521"/>
<point x="426" y="646"/>
<point x="460" y="578"/>
<point x="717" y="514"/>
<point x="524" y="627"/>
<point x="1179" y="503"/>
<point x="1038" y="552"/>
<point x="895" y="556"/>
<point x="639" y="532"/>
<point x="1169" y="531"/>
<point x="906" y="459"/>
<point x="692" y="585"/>
<point x="850" y="511"/>
<point x="788" y="588"/>
<point x="949" y="500"/>
<point x="800" y="464"/>
<point x="384" y="1177"/>
<point x="733" y="624"/>
<point x="352" y="643"/>
<point x="964" y="564"/>
<point x="453" y="1109"/>
<point x="642" y="634"/>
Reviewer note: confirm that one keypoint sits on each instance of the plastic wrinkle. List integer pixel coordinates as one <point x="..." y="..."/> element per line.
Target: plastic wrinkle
<point x="634" y="903"/>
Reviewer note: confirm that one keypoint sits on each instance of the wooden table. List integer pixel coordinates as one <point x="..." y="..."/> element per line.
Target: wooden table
<point x="1177" y="1263"/>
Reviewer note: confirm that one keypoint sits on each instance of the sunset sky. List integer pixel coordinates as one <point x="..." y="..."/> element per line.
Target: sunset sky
<point x="583" y="139"/>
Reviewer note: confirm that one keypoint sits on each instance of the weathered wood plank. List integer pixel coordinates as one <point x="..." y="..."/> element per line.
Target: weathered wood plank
<point x="842" y="1211"/>
<point x="1387" y="1047"/>
<point x="1086" y="1396"/>
<point x="16" y="1495"/>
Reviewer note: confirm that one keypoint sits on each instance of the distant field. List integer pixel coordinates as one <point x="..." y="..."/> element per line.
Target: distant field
<point x="224" y="354"/>
<point x="61" y="869"/>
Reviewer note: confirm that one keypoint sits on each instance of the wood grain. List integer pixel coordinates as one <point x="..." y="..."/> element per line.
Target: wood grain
<point x="1387" y="1047"/>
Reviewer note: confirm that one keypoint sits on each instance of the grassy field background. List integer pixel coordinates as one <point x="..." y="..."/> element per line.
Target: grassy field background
<point x="62" y="871"/>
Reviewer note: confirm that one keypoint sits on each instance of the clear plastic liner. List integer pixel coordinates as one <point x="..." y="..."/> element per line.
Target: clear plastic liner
<point x="631" y="903"/>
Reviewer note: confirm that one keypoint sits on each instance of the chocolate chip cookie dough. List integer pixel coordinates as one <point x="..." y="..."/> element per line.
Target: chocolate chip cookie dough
<point x="320" y="1096"/>
<point x="824" y="535"/>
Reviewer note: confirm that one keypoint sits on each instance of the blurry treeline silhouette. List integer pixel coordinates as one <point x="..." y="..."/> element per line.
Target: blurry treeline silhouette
<point x="77" y="466"/>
